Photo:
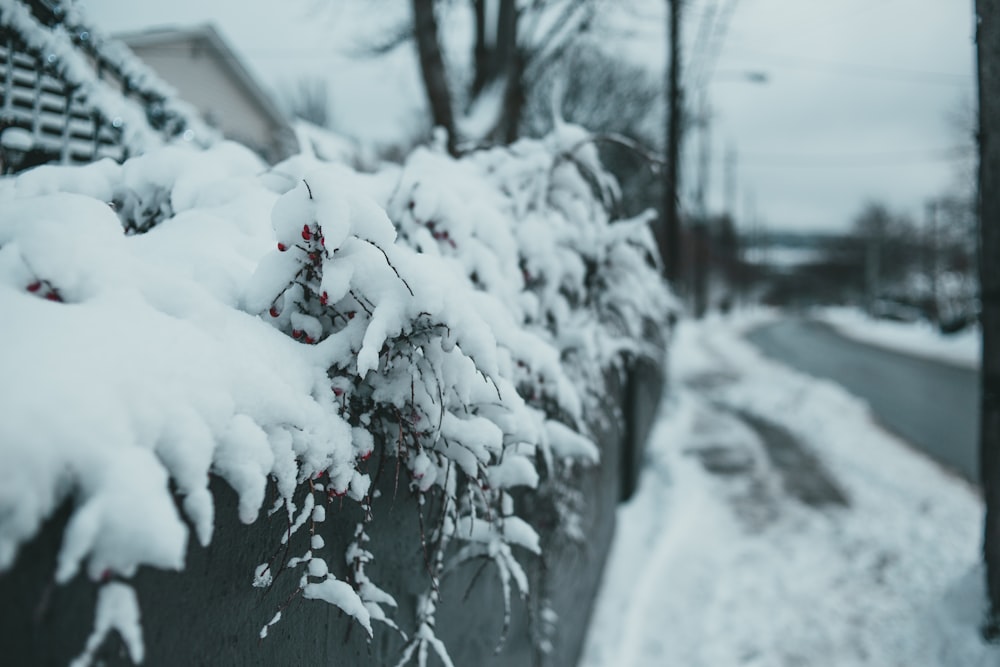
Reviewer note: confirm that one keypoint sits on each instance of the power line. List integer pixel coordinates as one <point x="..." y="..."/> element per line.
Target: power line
<point x="800" y="32"/>
<point x="855" y="160"/>
<point x="863" y="70"/>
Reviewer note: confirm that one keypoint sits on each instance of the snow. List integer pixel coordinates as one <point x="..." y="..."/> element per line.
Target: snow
<point x="567" y="443"/>
<point x="733" y="568"/>
<point x="341" y="595"/>
<point x="117" y="609"/>
<point x="514" y="470"/>
<point x="193" y="313"/>
<point x="918" y="338"/>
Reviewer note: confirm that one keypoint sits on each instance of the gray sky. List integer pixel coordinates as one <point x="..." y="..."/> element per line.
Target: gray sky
<point x="856" y="106"/>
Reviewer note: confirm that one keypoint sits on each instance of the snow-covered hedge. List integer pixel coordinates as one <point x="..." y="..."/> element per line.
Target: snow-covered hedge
<point x="190" y="314"/>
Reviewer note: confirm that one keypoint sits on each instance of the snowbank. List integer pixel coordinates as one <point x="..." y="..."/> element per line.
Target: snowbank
<point x="917" y="338"/>
<point x="734" y="569"/>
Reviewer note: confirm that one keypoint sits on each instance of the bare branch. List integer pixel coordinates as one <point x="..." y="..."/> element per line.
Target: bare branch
<point x="394" y="269"/>
<point x="399" y="35"/>
<point x="656" y="161"/>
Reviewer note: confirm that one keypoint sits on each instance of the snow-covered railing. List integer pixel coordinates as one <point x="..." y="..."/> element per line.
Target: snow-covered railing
<point x="53" y="87"/>
<point x="296" y="332"/>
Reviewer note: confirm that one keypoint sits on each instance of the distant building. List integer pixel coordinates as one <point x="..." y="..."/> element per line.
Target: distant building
<point x="206" y="72"/>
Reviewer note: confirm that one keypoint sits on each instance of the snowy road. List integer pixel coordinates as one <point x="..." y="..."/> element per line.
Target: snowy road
<point x="931" y="404"/>
<point x="725" y="558"/>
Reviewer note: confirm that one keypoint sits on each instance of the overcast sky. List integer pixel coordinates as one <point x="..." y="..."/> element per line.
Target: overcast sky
<point x="856" y="106"/>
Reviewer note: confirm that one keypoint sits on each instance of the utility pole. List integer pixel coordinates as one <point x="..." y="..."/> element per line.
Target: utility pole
<point x="873" y="267"/>
<point x="729" y="183"/>
<point x="931" y="253"/>
<point x="671" y="236"/>
<point x="701" y="235"/>
<point x="704" y="121"/>
<point x="988" y="59"/>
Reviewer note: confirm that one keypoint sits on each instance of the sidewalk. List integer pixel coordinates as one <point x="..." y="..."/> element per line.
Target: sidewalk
<point x="776" y="525"/>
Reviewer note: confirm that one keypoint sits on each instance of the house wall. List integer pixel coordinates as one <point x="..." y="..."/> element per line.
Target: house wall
<point x="200" y="80"/>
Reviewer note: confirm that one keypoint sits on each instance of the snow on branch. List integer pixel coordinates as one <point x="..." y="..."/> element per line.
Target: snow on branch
<point x="276" y="329"/>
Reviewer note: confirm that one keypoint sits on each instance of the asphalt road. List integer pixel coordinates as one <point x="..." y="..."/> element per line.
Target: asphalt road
<point x="933" y="405"/>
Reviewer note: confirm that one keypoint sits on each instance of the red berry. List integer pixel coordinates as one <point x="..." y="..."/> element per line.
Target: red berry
<point x="35" y="286"/>
<point x="296" y="333"/>
<point x="337" y="391"/>
<point x="306" y="234"/>
<point x="282" y="247"/>
<point x="351" y="314"/>
<point x="323" y="298"/>
<point x="52" y="296"/>
<point x="367" y="455"/>
<point x="273" y="311"/>
<point x="310" y="340"/>
<point x="322" y="241"/>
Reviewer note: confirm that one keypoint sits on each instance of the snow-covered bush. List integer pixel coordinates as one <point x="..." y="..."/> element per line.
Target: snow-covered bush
<point x="190" y="314"/>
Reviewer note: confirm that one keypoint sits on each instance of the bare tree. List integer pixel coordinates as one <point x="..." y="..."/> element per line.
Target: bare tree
<point x="309" y="100"/>
<point x="513" y="47"/>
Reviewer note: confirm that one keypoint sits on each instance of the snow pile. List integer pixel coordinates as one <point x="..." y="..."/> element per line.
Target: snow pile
<point x="732" y="568"/>
<point x="187" y="314"/>
<point x="919" y="338"/>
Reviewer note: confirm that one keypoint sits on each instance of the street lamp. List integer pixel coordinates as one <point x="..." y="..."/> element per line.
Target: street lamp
<point x="701" y="238"/>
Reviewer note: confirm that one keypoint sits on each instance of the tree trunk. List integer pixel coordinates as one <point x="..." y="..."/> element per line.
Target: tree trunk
<point x="432" y="69"/>
<point x="481" y="51"/>
<point x="496" y="45"/>
<point x="513" y="103"/>
<point x="506" y="37"/>
<point x="988" y="51"/>
<point x="508" y="64"/>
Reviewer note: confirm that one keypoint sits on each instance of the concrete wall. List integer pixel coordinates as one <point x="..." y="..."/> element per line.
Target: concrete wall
<point x="210" y="615"/>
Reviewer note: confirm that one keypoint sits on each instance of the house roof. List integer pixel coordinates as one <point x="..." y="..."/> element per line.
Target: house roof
<point x="207" y="36"/>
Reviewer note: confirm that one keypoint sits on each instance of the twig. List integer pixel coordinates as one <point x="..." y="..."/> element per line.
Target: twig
<point x="394" y="269"/>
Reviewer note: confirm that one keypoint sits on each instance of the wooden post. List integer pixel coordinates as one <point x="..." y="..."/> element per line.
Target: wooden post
<point x="988" y="57"/>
